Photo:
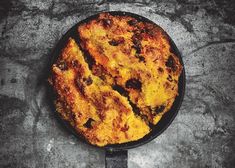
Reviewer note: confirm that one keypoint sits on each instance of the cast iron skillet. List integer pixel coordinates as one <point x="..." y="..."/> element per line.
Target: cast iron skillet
<point x="116" y="155"/>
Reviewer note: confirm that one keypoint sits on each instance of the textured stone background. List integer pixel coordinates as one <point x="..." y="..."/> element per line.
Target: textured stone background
<point x="203" y="133"/>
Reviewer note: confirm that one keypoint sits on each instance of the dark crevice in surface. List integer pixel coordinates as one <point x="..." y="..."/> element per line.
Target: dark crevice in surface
<point x="159" y="109"/>
<point x="122" y="91"/>
<point x="134" y="84"/>
<point x="86" y="55"/>
<point x="88" y="123"/>
<point x="135" y="108"/>
<point x="88" y="58"/>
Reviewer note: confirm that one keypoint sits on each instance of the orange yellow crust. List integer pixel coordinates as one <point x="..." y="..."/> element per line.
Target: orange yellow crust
<point x="121" y="78"/>
<point x="128" y="51"/>
<point x="96" y="111"/>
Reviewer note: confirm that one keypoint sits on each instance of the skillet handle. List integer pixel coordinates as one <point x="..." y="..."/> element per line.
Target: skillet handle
<point x="116" y="158"/>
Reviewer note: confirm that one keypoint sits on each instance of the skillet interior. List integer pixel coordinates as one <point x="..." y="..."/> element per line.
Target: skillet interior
<point x="166" y="119"/>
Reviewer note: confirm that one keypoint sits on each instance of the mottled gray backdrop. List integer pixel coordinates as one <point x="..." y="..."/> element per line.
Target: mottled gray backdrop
<point x="203" y="133"/>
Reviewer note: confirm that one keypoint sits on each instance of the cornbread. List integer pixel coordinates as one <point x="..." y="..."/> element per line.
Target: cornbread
<point x="118" y="79"/>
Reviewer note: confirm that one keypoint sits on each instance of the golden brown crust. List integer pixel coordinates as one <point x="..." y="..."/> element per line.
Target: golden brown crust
<point x="96" y="111"/>
<point x="136" y="57"/>
<point x="122" y="78"/>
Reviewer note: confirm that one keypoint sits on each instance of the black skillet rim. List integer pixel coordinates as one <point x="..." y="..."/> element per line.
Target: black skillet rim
<point x="166" y="119"/>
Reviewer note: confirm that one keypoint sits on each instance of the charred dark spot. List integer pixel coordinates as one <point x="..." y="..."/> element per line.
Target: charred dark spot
<point x="114" y="42"/>
<point x="106" y="23"/>
<point x="160" y="70"/>
<point x="63" y="66"/>
<point x="133" y="83"/>
<point x="159" y="109"/>
<point x="79" y="85"/>
<point x="132" y="22"/>
<point x="120" y="90"/>
<point x="99" y="71"/>
<point x="169" y="78"/>
<point x="88" y="81"/>
<point x="125" y="128"/>
<point x="88" y="124"/>
<point x="167" y="85"/>
<point x="137" y="48"/>
<point x="171" y="63"/>
<point x="102" y="77"/>
<point x="75" y="63"/>
<point x="136" y="43"/>
<point x="140" y="57"/>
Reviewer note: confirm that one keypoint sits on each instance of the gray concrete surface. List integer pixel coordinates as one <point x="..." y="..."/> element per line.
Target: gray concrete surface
<point x="203" y="133"/>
